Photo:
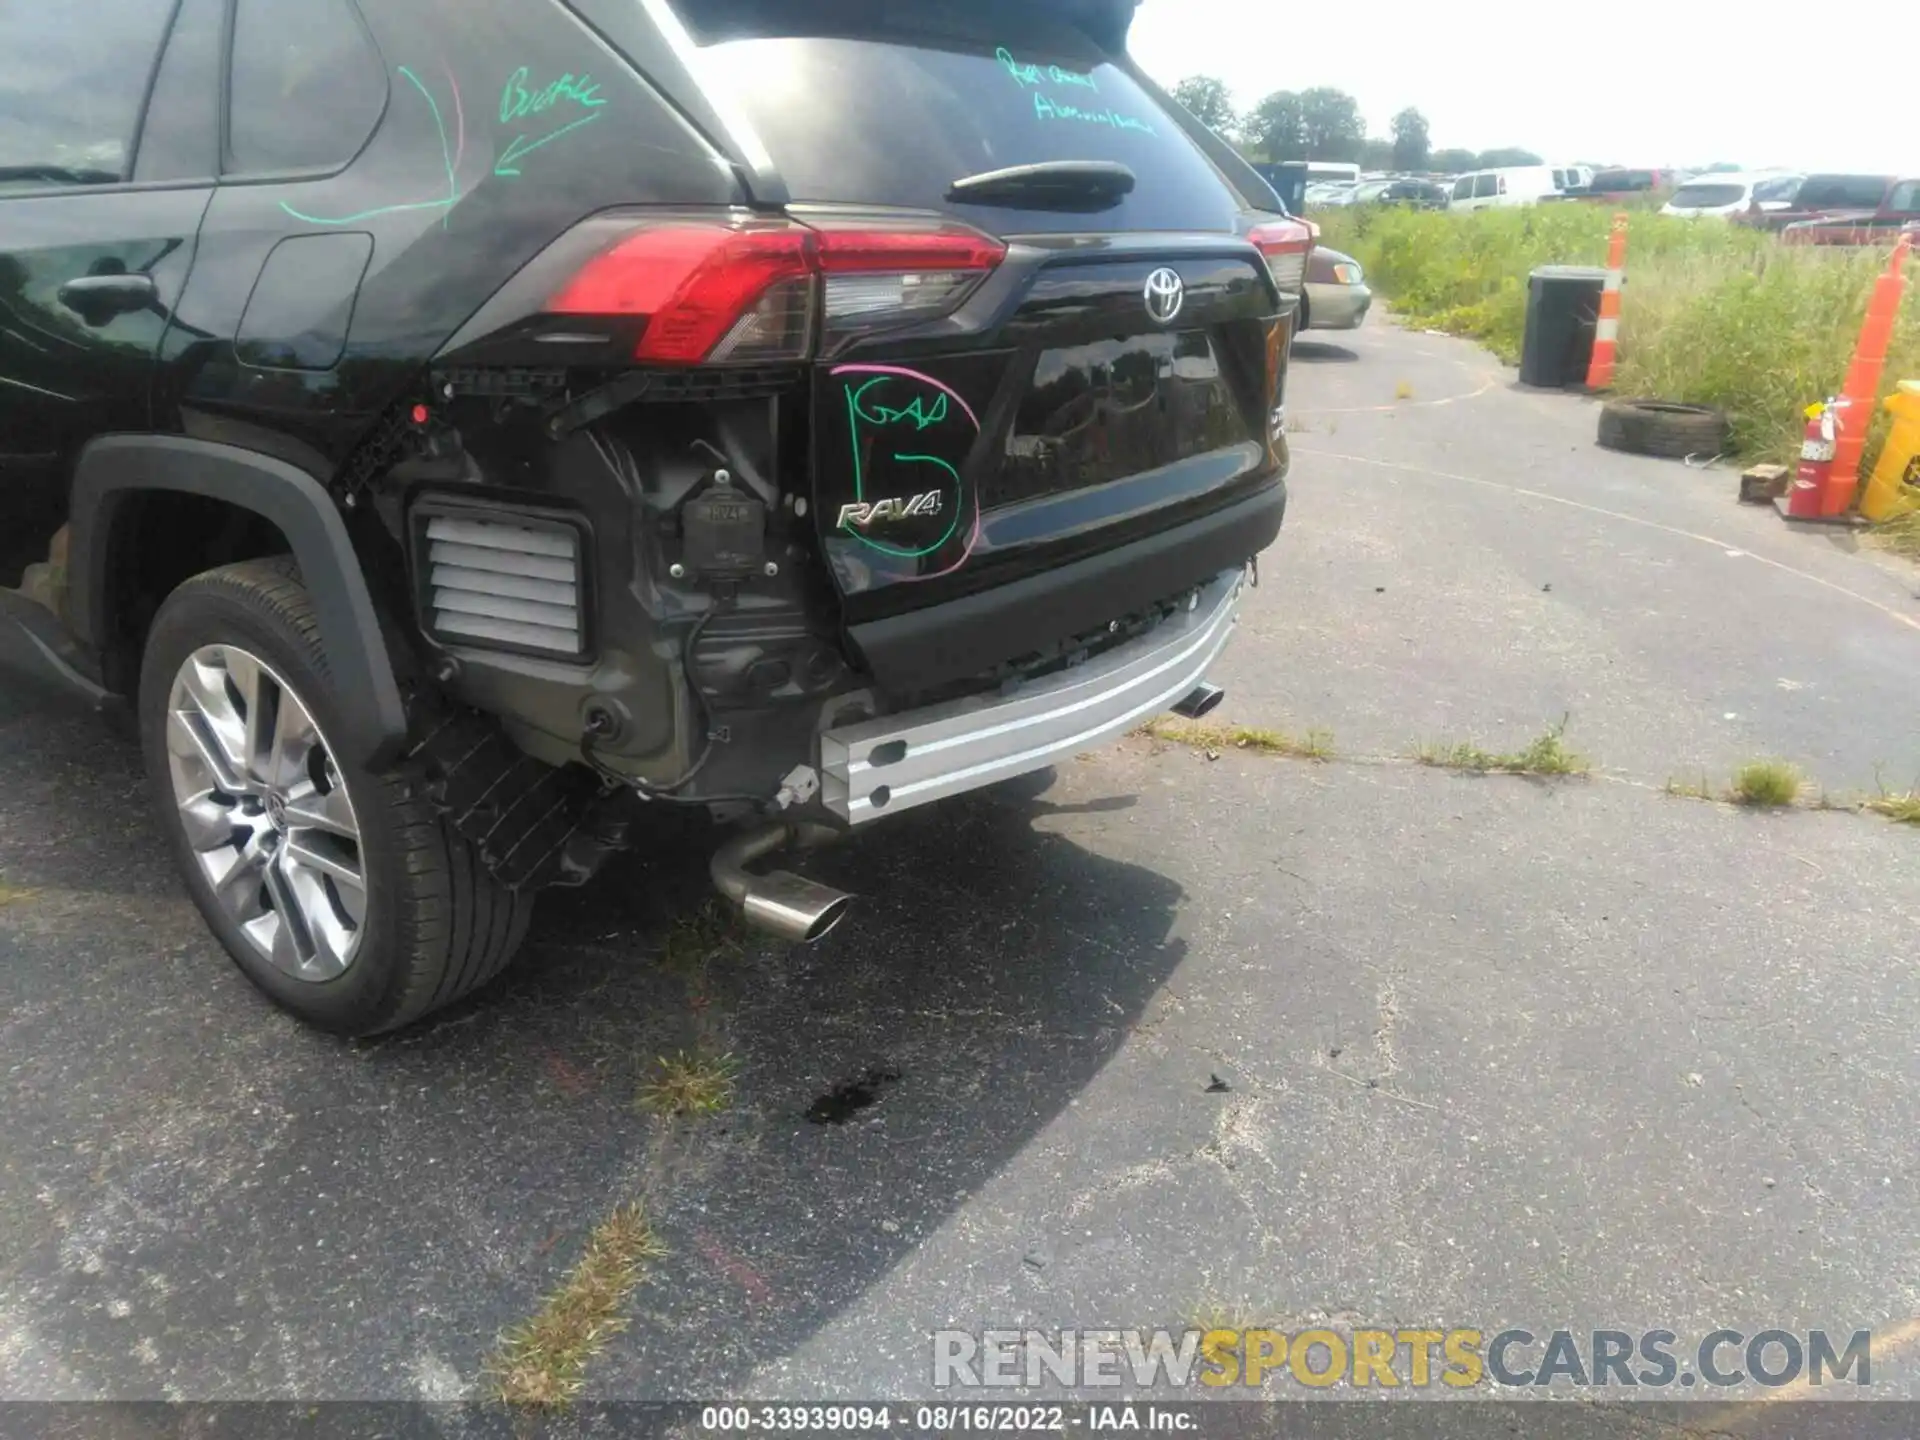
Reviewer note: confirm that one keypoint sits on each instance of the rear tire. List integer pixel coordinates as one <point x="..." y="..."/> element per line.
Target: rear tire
<point x="1660" y="427"/>
<point x="394" y="914"/>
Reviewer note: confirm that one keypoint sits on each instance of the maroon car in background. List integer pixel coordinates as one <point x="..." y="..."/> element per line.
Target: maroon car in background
<point x="1898" y="210"/>
<point x="1820" y="196"/>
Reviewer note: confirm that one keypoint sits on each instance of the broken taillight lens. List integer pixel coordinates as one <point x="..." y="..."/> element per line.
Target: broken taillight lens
<point x="716" y="292"/>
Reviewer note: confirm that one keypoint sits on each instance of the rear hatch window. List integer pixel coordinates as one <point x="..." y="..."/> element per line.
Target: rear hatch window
<point x="882" y="102"/>
<point x="1842" y="192"/>
<point x="1707" y="197"/>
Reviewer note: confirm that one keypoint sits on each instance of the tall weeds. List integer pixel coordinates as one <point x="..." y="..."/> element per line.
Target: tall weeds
<point x="1712" y="314"/>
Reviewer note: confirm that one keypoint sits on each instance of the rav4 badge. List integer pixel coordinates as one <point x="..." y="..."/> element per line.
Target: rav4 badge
<point x="865" y="513"/>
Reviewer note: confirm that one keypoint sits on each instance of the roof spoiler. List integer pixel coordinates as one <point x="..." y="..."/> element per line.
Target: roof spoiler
<point x="1107" y="21"/>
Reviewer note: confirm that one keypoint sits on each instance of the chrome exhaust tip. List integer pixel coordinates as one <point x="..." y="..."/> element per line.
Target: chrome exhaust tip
<point x="1204" y="700"/>
<point x="781" y="903"/>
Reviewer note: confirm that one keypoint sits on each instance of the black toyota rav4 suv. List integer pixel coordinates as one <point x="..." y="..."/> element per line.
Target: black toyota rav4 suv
<point x="454" y="429"/>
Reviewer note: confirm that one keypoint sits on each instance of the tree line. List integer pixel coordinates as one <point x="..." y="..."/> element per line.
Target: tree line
<point x="1325" y="124"/>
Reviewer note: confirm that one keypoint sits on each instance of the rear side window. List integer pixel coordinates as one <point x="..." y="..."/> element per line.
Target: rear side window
<point x="1485" y="185"/>
<point x="308" y="87"/>
<point x="1905" y="196"/>
<point x="872" y="104"/>
<point x="1463" y="188"/>
<point x="73" y="75"/>
<point x="1784" y="188"/>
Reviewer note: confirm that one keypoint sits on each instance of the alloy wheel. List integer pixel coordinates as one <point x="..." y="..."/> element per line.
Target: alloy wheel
<point x="266" y="812"/>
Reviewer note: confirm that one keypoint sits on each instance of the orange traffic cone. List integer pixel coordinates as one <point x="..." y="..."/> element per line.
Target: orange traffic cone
<point x="1863" y="383"/>
<point x="1606" y="334"/>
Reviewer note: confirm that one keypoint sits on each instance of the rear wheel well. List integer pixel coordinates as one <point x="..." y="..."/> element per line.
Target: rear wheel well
<point x="159" y="540"/>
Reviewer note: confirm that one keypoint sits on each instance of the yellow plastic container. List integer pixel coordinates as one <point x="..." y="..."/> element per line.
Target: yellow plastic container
<point x="1895" y="486"/>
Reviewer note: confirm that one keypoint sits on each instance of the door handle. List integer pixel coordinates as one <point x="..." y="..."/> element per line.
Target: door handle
<point x="96" y="299"/>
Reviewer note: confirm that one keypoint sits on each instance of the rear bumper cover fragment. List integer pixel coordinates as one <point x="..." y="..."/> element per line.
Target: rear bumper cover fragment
<point x="881" y="767"/>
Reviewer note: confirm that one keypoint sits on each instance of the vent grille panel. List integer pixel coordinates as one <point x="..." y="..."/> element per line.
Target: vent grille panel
<point x="504" y="582"/>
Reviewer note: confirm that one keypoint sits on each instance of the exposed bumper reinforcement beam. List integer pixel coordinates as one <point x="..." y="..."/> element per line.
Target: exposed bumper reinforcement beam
<point x="880" y="767"/>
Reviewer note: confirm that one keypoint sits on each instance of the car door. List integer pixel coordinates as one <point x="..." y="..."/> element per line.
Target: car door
<point x="93" y="253"/>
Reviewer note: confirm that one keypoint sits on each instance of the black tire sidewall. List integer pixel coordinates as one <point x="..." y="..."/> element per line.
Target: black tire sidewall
<point x="1659" y="430"/>
<point x="207" y="612"/>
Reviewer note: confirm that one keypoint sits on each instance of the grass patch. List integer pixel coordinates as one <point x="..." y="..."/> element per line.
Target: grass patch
<point x="14" y="895"/>
<point x="1901" y="535"/>
<point x="1457" y="755"/>
<point x="697" y="939"/>
<point x="1713" y="314"/>
<point x="689" y="1085"/>
<point x="1901" y="809"/>
<point x="1546" y="754"/>
<point x="1765" y="784"/>
<point x="1688" y="790"/>
<point x="1214" y="1314"/>
<point x="543" y="1363"/>
<point x="1314" y="745"/>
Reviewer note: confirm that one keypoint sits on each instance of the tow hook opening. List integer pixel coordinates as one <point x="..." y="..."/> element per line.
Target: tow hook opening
<point x="781" y="903"/>
<point x="1202" y="700"/>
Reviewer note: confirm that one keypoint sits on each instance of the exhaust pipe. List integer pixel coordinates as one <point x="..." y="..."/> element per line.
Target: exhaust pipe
<point x="1204" y="700"/>
<point x="780" y="903"/>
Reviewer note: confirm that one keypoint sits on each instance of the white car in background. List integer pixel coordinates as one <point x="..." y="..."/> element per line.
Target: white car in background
<point x="1508" y="185"/>
<point x="1735" y="193"/>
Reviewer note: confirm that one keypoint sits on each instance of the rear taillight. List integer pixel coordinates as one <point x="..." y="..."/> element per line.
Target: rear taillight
<point x="882" y="278"/>
<point x="714" y="292"/>
<point x="1285" y="244"/>
<point x="706" y="290"/>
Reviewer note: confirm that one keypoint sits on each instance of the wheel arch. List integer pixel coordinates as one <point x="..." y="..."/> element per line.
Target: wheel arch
<point x="117" y="469"/>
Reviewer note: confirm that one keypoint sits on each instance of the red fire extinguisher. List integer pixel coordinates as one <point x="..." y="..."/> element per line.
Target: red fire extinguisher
<point x="1816" y="462"/>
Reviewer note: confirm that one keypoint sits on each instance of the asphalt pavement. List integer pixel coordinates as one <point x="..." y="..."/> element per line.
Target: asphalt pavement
<point x="1154" y="1037"/>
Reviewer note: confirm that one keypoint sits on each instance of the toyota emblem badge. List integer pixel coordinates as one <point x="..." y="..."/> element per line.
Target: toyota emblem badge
<point x="1166" y="293"/>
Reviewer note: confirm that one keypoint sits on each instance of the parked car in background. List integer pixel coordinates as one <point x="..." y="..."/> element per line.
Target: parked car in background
<point x="1417" y="194"/>
<point x="1625" y="184"/>
<point x="1324" y="193"/>
<point x="1497" y="189"/>
<point x="1899" y="211"/>
<point x="1734" y="193"/>
<point x="1571" y="178"/>
<point x="1826" y="194"/>
<point x="1336" y="295"/>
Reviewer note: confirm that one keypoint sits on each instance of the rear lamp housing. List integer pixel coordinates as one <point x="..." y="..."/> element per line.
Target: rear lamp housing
<point x="731" y="291"/>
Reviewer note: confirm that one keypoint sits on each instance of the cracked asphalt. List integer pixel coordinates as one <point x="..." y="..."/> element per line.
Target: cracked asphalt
<point x="1498" y="1052"/>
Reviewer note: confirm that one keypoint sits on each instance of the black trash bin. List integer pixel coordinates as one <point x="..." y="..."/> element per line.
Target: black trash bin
<point x="1563" y="306"/>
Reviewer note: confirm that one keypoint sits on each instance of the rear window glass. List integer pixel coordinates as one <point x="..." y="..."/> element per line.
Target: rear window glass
<point x="1858" y="191"/>
<point x="871" y="103"/>
<point x="1905" y="196"/>
<point x="1624" y="180"/>
<point x="1707" y="197"/>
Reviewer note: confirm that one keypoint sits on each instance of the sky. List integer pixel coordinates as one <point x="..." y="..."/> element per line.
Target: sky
<point x="1709" y="82"/>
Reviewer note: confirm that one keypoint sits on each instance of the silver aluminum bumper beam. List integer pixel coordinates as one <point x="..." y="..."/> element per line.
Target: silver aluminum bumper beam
<point x="884" y="766"/>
